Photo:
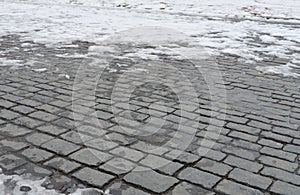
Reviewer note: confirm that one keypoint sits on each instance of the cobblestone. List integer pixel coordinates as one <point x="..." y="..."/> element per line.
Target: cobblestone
<point x="213" y="167"/>
<point x="249" y="178"/>
<point x="60" y="146"/>
<point x="90" y="157"/>
<point x="282" y="175"/>
<point x="257" y="151"/>
<point x="150" y="180"/>
<point x="243" y="164"/>
<point x="186" y="188"/>
<point x="232" y="188"/>
<point x="93" y="177"/>
<point x="62" y="164"/>
<point x="196" y="176"/>
<point x="280" y="187"/>
<point x="279" y="153"/>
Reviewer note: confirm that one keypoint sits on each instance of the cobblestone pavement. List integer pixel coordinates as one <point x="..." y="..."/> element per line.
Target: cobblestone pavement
<point x="257" y="151"/>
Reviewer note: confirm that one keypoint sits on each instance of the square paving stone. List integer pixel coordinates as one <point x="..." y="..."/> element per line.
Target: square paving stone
<point x="119" y="138"/>
<point x="161" y="164"/>
<point x="43" y="116"/>
<point x="52" y="129"/>
<point x="196" y="176"/>
<point x="150" y="180"/>
<point x="232" y="188"/>
<point x="65" y="123"/>
<point x="182" y="156"/>
<point x="124" y="189"/>
<point x="62" y="164"/>
<point x="280" y="187"/>
<point x="90" y="156"/>
<point x="36" y="155"/>
<point x="91" y="131"/>
<point x="93" y="177"/>
<point x="11" y="145"/>
<point x="6" y="104"/>
<point x="38" y="138"/>
<point x="7" y="114"/>
<point x="101" y="144"/>
<point x="32" y="171"/>
<point x="75" y="137"/>
<point x="128" y="153"/>
<point x="10" y="161"/>
<point x="28" y="122"/>
<point x="23" y="109"/>
<point x="60" y="146"/>
<point x="13" y="130"/>
<point x="213" y="167"/>
<point x="185" y="188"/>
<point x="118" y="166"/>
<point x="249" y="178"/>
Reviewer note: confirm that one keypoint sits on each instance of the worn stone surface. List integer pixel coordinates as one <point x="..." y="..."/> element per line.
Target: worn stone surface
<point x="93" y="177"/>
<point x="150" y="180"/>
<point x="204" y="179"/>
<point x="256" y="152"/>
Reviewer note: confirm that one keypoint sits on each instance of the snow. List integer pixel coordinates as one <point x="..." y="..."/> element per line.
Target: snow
<point x="284" y="70"/>
<point x="11" y="184"/>
<point x="39" y="70"/>
<point x="222" y="27"/>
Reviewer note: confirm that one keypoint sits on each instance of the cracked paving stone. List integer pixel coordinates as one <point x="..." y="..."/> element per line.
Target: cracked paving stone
<point x="118" y="166"/>
<point x="90" y="156"/>
<point x="60" y="146"/>
<point x="62" y="164"/>
<point x="93" y="177"/>
<point x="232" y="188"/>
<point x="124" y="189"/>
<point x="36" y="155"/>
<point x="185" y="188"/>
<point x="13" y="130"/>
<point x="196" y="176"/>
<point x="10" y="161"/>
<point x="150" y="180"/>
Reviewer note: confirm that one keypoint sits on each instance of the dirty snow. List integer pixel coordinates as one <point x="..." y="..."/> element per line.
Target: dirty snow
<point x="223" y="27"/>
<point x="15" y="185"/>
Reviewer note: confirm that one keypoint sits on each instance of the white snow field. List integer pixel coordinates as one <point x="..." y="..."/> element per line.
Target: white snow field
<point x="249" y="29"/>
